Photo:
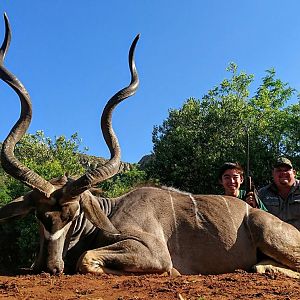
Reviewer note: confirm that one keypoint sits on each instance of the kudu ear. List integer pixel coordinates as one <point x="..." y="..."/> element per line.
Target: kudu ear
<point x="17" y="208"/>
<point x="95" y="214"/>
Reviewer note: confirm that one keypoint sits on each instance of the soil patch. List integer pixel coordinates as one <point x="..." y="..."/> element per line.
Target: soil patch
<point x="238" y="285"/>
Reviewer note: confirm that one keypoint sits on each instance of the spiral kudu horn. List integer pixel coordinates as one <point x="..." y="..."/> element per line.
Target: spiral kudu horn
<point x="111" y="167"/>
<point x="8" y="160"/>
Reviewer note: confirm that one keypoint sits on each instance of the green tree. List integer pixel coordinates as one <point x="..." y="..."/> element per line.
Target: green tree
<point x="50" y="158"/>
<point x="196" y="139"/>
<point x="124" y="182"/>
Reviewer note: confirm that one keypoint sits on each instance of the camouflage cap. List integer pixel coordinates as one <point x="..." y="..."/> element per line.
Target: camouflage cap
<point x="282" y="161"/>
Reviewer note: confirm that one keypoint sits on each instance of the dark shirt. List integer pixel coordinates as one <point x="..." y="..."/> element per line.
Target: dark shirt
<point x="287" y="210"/>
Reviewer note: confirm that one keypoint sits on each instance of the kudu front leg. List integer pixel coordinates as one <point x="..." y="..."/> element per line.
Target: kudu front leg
<point x="125" y="257"/>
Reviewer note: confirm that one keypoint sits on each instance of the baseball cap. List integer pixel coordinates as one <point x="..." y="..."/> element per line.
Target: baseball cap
<point x="282" y="161"/>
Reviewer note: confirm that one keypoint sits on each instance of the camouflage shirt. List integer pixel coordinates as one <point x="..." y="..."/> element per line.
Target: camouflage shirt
<point x="287" y="210"/>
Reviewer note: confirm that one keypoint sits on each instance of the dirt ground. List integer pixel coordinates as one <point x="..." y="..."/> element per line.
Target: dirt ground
<point x="238" y="285"/>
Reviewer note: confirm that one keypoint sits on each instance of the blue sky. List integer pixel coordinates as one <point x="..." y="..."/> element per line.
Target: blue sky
<point x="72" y="57"/>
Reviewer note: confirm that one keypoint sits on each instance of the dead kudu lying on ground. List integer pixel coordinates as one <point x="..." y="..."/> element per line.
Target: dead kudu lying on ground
<point x="149" y="230"/>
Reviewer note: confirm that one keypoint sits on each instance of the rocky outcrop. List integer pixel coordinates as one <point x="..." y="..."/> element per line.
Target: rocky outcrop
<point x="145" y="160"/>
<point x="92" y="162"/>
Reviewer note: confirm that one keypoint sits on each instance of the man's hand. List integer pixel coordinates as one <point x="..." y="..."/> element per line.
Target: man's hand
<point x="250" y="199"/>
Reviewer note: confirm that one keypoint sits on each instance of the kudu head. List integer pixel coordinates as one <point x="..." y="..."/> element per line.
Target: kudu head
<point x="58" y="202"/>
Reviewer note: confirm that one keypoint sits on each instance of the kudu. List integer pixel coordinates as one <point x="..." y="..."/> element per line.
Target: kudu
<point x="148" y="230"/>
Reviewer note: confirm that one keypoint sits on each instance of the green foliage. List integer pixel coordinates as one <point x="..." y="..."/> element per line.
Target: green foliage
<point x="4" y="190"/>
<point x="50" y="158"/>
<point x="27" y="239"/>
<point x="123" y="182"/>
<point x="196" y="139"/>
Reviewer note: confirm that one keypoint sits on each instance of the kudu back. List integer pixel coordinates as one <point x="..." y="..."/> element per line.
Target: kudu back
<point x="148" y="230"/>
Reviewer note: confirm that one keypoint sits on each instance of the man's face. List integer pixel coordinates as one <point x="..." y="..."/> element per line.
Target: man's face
<point x="284" y="176"/>
<point x="231" y="181"/>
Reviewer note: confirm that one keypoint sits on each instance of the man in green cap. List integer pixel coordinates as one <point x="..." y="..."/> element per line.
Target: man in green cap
<point x="282" y="196"/>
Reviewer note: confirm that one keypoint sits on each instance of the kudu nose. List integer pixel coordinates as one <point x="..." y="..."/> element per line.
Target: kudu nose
<point x="56" y="271"/>
<point x="56" y="268"/>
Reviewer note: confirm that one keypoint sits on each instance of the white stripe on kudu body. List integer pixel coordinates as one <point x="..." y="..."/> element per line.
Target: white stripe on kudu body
<point x="198" y="214"/>
<point x="175" y="222"/>
<point x="229" y="213"/>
